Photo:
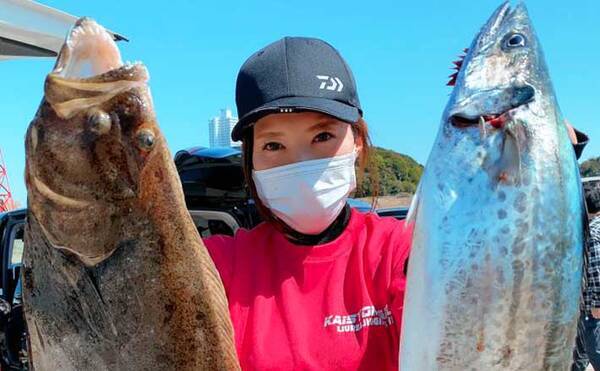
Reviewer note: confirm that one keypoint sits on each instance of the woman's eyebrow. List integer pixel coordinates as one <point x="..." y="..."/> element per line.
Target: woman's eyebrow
<point x="323" y="124"/>
<point x="269" y="134"/>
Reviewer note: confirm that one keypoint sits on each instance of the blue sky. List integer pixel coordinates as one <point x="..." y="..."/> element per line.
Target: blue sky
<point x="400" y="52"/>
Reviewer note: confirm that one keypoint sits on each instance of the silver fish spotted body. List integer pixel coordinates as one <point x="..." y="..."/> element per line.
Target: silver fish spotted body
<point x="495" y="270"/>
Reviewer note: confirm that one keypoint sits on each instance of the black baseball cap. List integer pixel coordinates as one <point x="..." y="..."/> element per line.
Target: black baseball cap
<point x="291" y="75"/>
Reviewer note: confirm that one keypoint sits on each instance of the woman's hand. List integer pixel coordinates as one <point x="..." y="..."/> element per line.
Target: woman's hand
<point x="571" y="132"/>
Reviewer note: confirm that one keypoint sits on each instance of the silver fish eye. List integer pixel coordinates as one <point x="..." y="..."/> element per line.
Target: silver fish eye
<point x="146" y="139"/>
<point x="515" y="40"/>
<point x="99" y="122"/>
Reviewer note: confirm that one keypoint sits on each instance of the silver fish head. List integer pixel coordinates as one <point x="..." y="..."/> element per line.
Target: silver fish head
<point x="503" y="97"/>
<point x="504" y="69"/>
<point x="93" y="135"/>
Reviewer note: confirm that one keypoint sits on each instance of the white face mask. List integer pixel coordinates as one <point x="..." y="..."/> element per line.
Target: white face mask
<point x="307" y="195"/>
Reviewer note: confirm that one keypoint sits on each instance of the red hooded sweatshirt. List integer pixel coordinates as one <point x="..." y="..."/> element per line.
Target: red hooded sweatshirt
<point x="335" y="306"/>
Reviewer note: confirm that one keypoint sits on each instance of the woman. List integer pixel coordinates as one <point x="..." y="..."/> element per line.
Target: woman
<point x="316" y="286"/>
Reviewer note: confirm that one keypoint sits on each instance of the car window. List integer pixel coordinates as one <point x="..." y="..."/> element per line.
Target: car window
<point x="16" y="246"/>
<point x="210" y="222"/>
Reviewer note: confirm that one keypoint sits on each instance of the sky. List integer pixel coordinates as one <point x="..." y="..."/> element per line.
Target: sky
<point x="399" y="51"/>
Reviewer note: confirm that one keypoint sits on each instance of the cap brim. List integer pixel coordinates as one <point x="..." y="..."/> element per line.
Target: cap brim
<point x="339" y="110"/>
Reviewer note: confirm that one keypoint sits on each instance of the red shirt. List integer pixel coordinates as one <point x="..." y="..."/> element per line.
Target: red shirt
<point x="328" y="307"/>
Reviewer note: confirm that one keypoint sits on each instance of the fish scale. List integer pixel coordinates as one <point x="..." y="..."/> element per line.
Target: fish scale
<point x="495" y="270"/>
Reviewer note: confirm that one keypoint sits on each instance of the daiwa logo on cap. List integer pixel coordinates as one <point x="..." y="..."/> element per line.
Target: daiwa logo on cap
<point x="336" y="83"/>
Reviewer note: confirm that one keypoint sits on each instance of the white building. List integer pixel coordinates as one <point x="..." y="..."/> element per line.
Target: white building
<point x="219" y="129"/>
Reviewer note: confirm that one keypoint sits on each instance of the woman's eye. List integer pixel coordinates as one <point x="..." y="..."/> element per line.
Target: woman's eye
<point x="323" y="137"/>
<point x="272" y="146"/>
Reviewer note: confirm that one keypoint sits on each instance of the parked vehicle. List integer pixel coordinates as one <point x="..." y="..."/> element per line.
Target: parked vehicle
<point x="13" y="332"/>
<point x="215" y="190"/>
<point x="399" y="213"/>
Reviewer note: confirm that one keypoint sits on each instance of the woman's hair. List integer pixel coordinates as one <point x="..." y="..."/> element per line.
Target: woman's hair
<point x="365" y="165"/>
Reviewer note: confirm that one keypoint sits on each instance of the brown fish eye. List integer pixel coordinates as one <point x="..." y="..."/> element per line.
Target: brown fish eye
<point x="99" y="122"/>
<point x="146" y="139"/>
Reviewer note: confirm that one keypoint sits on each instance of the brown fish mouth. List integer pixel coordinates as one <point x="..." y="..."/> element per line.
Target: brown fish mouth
<point x="89" y="71"/>
<point x="89" y="50"/>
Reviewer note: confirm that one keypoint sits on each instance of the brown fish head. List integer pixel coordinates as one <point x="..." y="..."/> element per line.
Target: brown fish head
<point x="92" y="136"/>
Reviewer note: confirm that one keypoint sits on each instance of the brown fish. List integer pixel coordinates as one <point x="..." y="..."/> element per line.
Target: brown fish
<point x="115" y="275"/>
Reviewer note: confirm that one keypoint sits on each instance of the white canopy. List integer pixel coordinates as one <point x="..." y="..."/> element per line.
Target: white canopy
<point x="30" y="29"/>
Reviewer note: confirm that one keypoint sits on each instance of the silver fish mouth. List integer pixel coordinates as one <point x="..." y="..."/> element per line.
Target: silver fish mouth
<point x="495" y="120"/>
<point x="512" y="99"/>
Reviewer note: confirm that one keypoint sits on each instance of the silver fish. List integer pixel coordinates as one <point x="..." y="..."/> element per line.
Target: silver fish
<point x="115" y="275"/>
<point x="495" y="271"/>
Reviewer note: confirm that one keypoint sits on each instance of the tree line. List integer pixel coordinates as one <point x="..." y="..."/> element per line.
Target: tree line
<point x="390" y="173"/>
